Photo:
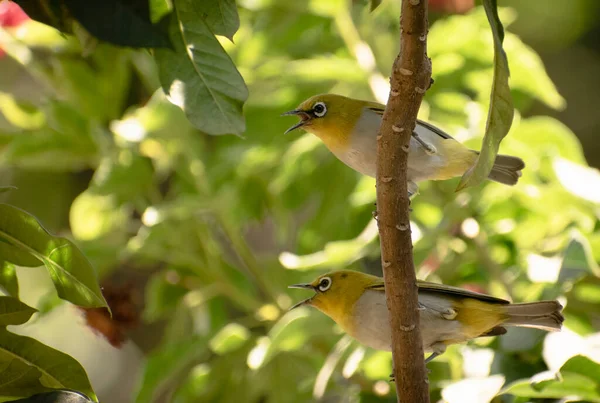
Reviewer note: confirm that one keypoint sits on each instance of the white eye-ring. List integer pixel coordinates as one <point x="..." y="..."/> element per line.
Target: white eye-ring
<point x="324" y="284"/>
<point x="319" y="109"/>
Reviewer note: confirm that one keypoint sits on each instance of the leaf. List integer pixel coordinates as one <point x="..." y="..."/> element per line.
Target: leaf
<point x="221" y="17"/>
<point x="501" y="110"/>
<point x="580" y="180"/>
<point x="231" y="337"/>
<point x="582" y="365"/>
<point x="162" y="297"/>
<point x="19" y="380"/>
<point x="578" y="260"/>
<point x="56" y="370"/>
<point x="8" y="278"/>
<point x="47" y="12"/>
<point x="123" y="23"/>
<point x="66" y="143"/>
<point x="7" y="188"/>
<point x="199" y="76"/>
<point x="578" y="386"/>
<point x="23" y="241"/>
<point x="14" y="312"/>
<point x="374" y="4"/>
<point x="56" y="396"/>
<point x="166" y="365"/>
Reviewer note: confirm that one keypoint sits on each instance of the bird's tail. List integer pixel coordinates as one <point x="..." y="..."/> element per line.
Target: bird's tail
<point x="507" y="169"/>
<point x="545" y="315"/>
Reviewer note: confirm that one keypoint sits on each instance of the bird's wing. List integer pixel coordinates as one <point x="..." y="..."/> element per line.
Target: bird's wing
<point x="447" y="289"/>
<point x="378" y="109"/>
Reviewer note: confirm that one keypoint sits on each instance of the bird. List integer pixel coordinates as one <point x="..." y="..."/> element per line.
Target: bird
<point x="448" y="315"/>
<point x="348" y="127"/>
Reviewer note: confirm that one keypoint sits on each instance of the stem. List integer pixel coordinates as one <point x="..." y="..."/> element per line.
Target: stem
<point x="411" y="73"/>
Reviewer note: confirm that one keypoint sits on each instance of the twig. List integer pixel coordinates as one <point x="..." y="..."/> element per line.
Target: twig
<point x="410" y="79"/>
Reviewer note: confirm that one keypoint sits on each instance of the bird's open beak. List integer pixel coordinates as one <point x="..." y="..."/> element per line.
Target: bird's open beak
<point x="304" y="119"/>
<point x="306" y="301"/>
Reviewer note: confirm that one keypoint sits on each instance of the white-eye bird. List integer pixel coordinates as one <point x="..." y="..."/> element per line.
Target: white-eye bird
<point x="349" y="127"/>
<point x="448" y="315"/>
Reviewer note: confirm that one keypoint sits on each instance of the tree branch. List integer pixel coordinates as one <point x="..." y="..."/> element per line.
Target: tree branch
<point x="410" y="79"/>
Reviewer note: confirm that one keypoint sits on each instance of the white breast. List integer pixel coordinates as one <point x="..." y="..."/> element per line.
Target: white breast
<point x="361" y="155"/>
<point x="372" y="326"/>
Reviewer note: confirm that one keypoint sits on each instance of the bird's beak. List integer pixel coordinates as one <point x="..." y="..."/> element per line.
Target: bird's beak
<point x="306" y="286"/>
<point x="306" y="301"/>
<point x="305" y="118"/>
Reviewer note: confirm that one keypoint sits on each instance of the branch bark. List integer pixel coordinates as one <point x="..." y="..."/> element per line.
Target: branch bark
<point x="410" y="79"/>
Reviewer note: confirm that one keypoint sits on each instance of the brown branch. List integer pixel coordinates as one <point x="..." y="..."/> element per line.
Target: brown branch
<point x="410" y="79"/>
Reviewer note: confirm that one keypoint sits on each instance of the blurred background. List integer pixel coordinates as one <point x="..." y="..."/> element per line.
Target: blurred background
<point x="195" y="237"/>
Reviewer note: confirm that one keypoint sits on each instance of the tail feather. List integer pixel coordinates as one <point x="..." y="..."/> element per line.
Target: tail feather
<point x="507" y="169"/>
<point x="545" y="315"/>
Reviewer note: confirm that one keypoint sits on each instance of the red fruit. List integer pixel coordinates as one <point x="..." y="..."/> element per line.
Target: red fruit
<point x="11" y="15"/>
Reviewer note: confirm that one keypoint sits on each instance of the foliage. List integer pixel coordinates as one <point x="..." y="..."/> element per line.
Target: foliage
<point x="501" y="112"/>
<point x="222" y="225"/>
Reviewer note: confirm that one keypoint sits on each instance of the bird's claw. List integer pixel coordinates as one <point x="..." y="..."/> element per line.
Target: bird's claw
<point x="429" y="148"/>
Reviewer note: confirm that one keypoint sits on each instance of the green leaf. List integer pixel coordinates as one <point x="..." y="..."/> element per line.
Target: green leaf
<point x="20" y="114"/>
<point x="66" y="143"/>
<point x="167" y="365"/>
<point x="7" y="188"/>
<point x="8" y="278"/>
<point x="231" y="337"/>
<point x="582" y="365"/>
<point x="116" y="21"/>
<point x="56" y="396"/>
<point x="29" y="358"/>
<point x="162" y="297"/>
<point x="25" y="242"/>
<point x="374" y="4"/>
<point x="19" y="380"/>
<point x="501" y="111"/>
<point x="199" y="76"/>
<point x="578" y="260"/>
<point x="14" y="312"/>
<point x="221" y="17"/>
<point x="574" y="385"/>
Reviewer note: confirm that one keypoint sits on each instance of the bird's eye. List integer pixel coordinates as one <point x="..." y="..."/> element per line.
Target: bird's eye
<point x="319" y="109"/>
<point x="324" y="284"/>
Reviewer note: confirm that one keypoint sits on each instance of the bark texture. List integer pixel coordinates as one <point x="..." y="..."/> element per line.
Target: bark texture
<point x="410" y="79"/>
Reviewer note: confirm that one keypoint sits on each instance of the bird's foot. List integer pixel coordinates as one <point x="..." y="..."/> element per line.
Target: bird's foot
<point x="429" y="148"/>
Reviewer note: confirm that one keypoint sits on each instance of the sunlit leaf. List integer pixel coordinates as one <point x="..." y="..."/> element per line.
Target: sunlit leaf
<point x="66" y="143"/>
<point x="56" y="370"/>
<point x="229" y="338"/>
<point x="8" y="278"/>
<point x="578" y="379"/>
<point x="501" y="111"/>
<point x="481" y="390"/>
<point x="199" y="76"/>
<point x="19" y="114"/>
<point x="580" y="180"/>
<point x="26" y="243"/>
